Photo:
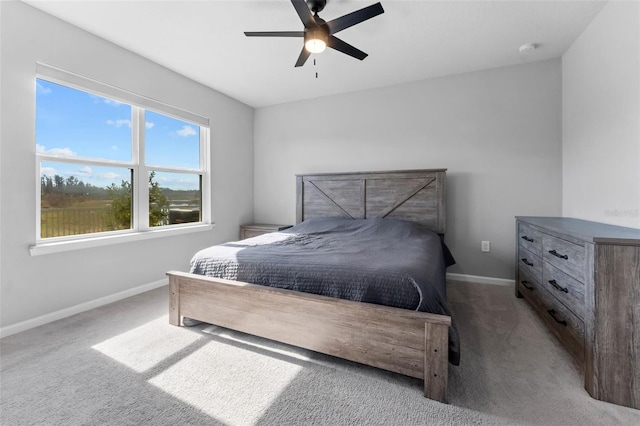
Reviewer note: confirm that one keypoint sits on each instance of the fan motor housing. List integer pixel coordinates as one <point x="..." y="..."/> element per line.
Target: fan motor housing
<point x="316" y="5"/>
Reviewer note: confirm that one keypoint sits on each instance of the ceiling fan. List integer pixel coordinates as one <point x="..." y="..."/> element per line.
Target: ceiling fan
<point x="318" y="34"/>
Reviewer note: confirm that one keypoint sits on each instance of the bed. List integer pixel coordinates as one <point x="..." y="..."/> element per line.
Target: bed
<point x="399" y="338"/>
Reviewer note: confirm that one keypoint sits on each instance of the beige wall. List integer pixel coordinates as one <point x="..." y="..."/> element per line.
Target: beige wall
<point x="497" y="131"/>
<point x="601" y="119"/>
<point x="31" y="287"/>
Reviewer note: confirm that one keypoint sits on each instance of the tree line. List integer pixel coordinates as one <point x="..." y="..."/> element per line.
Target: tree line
<point x="70" y="186"/>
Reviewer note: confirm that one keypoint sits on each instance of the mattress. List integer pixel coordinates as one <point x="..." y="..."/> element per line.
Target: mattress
<point x="383" y="261"/>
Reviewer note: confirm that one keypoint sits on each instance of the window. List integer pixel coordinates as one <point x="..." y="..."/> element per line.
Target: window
<point x="113" y="165"/>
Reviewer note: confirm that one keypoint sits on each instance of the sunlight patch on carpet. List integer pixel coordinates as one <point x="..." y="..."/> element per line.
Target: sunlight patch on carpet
<point x="232" y="384"/>
<point x="146" y="346"/>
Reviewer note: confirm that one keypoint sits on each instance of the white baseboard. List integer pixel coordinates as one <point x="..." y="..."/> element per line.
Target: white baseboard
<point x="67" y="312"/>
<point x="480" y="280"/>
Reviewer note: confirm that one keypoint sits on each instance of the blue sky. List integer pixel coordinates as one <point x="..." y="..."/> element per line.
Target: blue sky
<point x="72" y="123"/>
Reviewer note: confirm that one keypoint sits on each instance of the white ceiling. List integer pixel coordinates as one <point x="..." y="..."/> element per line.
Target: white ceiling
<point x="412" y="40"/>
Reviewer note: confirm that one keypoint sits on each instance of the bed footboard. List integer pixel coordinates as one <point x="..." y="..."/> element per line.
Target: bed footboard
<point x="399" y="340"/>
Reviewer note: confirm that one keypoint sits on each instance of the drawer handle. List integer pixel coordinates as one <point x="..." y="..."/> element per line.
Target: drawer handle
<point x="552" y="312"/>
<point x="524" y="237"/>
<point x="526" y="262"/>
<point x="558" y="286"/>
<point x="525" y="284"/>
<point x="556" y="254"/>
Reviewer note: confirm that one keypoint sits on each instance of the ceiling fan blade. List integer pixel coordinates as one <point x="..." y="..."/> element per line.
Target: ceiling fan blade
<point x="354" y="18"/>
<point x="304" y="55"/>
<point x="304" y="13"/>
<point x="344" y="47"/>
<point x="274" y="33"/>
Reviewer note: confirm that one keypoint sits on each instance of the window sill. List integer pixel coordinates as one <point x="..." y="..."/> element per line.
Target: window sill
<point x="80" y="244"/>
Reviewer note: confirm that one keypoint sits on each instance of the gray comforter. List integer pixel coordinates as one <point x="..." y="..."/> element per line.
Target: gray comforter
<point x="383" y="261"/>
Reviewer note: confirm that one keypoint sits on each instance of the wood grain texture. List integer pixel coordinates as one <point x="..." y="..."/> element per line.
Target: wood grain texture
<point x="530" y="263"/>
<point x="174" y="302"/>
<point x="415" y="195"/>
<point x="530" y="239"/>
<point x="564" y="255"/>
<point x="568" y="290"/>
<point x="580" y="231"/>
<point x="435" y="361"/>
<point x="393" y="339"/>
<point x="603" y="261"/>
<point x="616" y="329"/>
<point x="526" y="287"/>
<point x="565" y="326"/>
<point x="590" y="367"/>
<point x="528" y="280"/>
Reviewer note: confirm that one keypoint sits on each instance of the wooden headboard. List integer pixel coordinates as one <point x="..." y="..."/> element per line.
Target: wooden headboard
<point x="412" y="195"/>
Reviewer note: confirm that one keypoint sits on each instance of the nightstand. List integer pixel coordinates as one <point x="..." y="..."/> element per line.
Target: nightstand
<point x="253" y="230"/>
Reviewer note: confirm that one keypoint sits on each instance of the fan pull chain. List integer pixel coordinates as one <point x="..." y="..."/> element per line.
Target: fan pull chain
<point x="314" y="64"/>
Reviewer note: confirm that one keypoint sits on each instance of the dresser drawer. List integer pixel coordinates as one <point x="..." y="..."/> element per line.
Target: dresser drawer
<point x="530" y="239"/>
<point x="567" y="327"/>
<point x="526" y="283"/>
<point x="530" y="264"/>
<point x="566" y="256"/>
<point x="563" y="287"/>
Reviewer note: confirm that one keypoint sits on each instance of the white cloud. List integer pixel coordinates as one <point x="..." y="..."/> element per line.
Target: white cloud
<point x="119" y="123"/>
<point x="149" y="124"/>
<point x="48" y="171"/>
<point x="41" y="90"/>
<point x="186" y="131"/>
<point x="178" y="181"/>
<point x="59" y="152"/>
<point x="99" y="99"/>
<point x="111" y="102"/>
<point x="87" y="172"/>
<point x="96" y="176"/>
<point x="114" y="147"/>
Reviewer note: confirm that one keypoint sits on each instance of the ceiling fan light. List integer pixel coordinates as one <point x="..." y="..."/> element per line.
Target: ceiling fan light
<point x="315" y="45"/>
<point x="315" y="40"/>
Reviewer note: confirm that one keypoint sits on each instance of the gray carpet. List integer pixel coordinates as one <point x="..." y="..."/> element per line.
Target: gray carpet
<point x="123" y="364"/>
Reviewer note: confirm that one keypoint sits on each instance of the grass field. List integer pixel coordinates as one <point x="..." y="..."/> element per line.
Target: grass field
<point x="64" y="214"/>
<point x="83" y="218"/>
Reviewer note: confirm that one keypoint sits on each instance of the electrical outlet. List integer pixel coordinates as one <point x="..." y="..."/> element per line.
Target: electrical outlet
<point x="486" y="246"/>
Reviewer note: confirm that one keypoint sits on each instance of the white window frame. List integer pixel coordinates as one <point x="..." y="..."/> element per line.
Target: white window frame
<point x="140" y="210"/>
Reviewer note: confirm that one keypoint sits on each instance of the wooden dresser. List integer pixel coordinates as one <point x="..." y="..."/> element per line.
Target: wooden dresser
<point x="583" y="279"/>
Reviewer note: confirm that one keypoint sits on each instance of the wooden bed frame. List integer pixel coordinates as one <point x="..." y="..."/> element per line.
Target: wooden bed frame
<point x="399" y="340"/>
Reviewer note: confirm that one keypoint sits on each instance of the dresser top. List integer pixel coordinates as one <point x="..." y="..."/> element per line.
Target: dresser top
<point x="585" y="230"/>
